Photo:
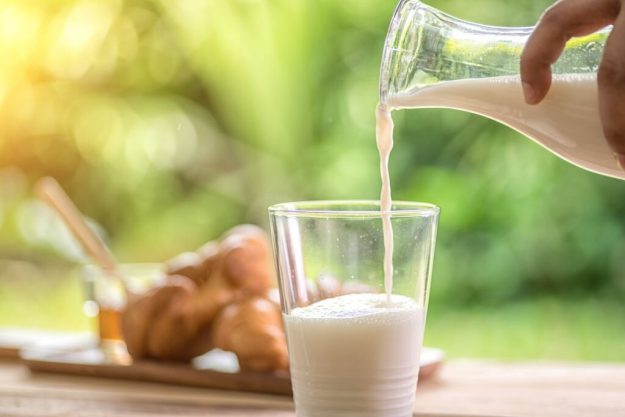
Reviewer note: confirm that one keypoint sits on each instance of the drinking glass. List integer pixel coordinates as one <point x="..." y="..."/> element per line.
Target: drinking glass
<point x="351" y="353"/>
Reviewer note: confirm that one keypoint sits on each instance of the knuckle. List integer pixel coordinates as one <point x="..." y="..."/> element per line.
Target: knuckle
<point x="553" y="17"/>
<point x="611" y="73"/>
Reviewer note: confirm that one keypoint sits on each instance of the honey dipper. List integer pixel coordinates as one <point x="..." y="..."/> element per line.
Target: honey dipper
<point x="51" y="192"/>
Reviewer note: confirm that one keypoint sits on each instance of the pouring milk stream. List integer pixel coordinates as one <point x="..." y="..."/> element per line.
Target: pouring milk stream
<point x="384" y="140"/>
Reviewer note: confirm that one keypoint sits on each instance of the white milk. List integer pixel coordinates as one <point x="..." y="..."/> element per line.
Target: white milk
<point x="355" y="356"/>
<point x="566" y="122"/>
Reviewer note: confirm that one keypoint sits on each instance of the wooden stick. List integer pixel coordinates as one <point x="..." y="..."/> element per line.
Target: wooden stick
<point x="49" y="190"/>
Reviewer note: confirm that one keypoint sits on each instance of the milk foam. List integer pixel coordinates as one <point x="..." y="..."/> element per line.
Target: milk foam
<point x="358" y="308"/>
<point x="355" y="355"/>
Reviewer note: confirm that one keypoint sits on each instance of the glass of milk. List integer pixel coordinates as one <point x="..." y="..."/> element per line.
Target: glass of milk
<point x="353" y="349"/>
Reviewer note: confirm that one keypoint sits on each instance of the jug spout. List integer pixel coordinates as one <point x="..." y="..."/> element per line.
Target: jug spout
<point x="425" y="46"/>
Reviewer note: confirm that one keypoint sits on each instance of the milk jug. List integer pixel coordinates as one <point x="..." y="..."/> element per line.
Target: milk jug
<point x="431" y="59"/>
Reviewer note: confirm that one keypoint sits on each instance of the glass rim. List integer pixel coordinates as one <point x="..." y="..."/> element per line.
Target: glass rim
<point x="371" y="209"/>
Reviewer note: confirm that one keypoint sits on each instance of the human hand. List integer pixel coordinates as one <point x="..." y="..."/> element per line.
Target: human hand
<point x="567" y="19"/>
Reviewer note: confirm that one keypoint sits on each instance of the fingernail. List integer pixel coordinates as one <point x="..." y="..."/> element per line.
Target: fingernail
<point x="529" y="93"/>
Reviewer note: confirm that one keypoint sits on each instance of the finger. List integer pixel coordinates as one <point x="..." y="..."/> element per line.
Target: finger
<point x="562" y="21"/>
<point x="611" y="80"/>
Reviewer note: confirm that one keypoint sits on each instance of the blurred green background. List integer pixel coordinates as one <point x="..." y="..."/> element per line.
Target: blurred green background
<point x="170" y="121"/>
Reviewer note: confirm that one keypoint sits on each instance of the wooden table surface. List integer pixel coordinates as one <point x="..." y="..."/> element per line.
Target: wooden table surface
<point x="463" y="388"/>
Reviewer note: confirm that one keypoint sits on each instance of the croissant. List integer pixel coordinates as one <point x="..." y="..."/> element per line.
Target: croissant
<point x="161" y="323"/>
<point x="174" y="321"/>
<point x="253" y="330"/>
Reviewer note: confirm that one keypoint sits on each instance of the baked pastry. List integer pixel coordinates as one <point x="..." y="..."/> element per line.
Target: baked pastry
<point x="173" y="321"/>
<point x="253" y="330"/>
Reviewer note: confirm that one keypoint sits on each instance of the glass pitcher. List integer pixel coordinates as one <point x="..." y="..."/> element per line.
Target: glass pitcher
<point x="432" y="59"/>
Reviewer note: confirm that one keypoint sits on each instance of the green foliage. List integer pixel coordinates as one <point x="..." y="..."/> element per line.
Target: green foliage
<point x="544" y="328"/>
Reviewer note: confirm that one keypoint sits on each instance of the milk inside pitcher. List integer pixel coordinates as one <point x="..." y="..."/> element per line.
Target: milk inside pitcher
<point x="432" y="59"/>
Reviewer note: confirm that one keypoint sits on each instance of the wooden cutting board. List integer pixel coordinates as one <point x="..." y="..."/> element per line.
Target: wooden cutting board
<point x="216" y="369"/>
